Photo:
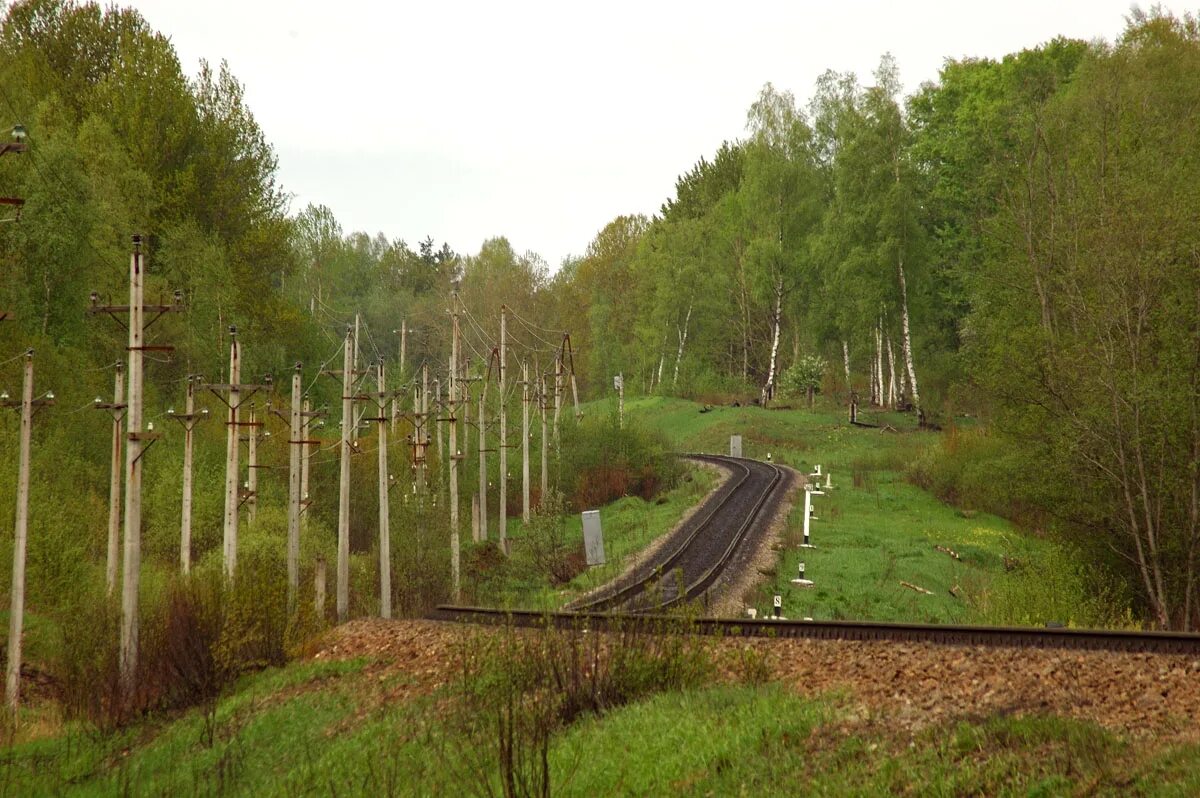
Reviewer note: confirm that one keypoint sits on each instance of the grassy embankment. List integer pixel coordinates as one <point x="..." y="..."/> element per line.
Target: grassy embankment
<point x="629" y="526"/>
<point x="334" y="728"/>
<point x="325" y="728"/>
<point x="874" y="531"/>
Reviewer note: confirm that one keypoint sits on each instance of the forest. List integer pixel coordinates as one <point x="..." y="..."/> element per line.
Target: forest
<point x="1009" y="253"/>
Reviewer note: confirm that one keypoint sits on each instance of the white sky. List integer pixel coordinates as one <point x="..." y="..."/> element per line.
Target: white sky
<point x="544" y="121"/>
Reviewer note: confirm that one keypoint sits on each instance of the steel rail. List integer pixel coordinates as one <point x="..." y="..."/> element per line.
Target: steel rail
<point x="714" y="572"/>
<point x="924" y="634"/>
<point x="606" y="600"/>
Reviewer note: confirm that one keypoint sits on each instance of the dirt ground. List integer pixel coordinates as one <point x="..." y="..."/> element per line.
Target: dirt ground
<point x="900" y="686"/>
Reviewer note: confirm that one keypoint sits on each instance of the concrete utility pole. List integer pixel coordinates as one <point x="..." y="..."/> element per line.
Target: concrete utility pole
<point x="421" y="450"/>
<point x="343" y="562"/>
<point x="502" y="518"/>
<point x="16" y="616"/>
<point x="307" y="417"/>
<point x="251" y="497"/>
<point x="558" y="391"/>
<point x="437" y="419"/>
<point x="525" y="443"/>
<point x="117" y="408"/>
<point x="237" y="393"/>
<point x="305" y="456"/>
<point x="403" y="344"/>
<point x="385" y="535"/>
<point x="396" y="397"/>
<point x="319" y="587"/>
<point x="570" y="357"/>
<point x="296" y="442"/>
<point x="131" y="574"/>
<point x="483" y="486"/>
<point x="464" y="401"/>
<point x="138" y="441"/>
<point x="232" y="450"/>
<point x="542" y="402"/>
<point x="188" y="421"/>
<point x="455" y="456"/>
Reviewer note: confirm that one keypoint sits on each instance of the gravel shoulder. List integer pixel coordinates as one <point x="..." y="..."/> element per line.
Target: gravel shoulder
<point x="895" y="686"/>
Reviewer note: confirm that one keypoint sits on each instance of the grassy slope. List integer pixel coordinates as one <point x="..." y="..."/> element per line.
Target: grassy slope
<point x="629" y="525"/>
<point x="323" y="729"/>
<point x="874" y="530"/>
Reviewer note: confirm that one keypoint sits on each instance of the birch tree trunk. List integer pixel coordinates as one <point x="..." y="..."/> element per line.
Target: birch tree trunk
<point x="683" y="334"/>
<point x="846" y="365"/>
<point x="768" y="391"/>
<point x="906" y="344"/>
<point x="877" y="369"/>
<point x="891" y="359"/>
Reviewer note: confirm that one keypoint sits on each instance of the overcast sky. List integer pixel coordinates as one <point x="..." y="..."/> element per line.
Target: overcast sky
<point x="543" y="121"/>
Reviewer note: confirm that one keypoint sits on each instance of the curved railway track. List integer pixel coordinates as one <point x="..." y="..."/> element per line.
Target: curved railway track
<point x="1018" y="637"/>
<point x="696" y="556"/>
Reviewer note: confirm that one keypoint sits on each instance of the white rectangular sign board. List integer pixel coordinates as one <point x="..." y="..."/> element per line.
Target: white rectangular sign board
<point x="735" y="445"/>
<point x="593" y="537"/>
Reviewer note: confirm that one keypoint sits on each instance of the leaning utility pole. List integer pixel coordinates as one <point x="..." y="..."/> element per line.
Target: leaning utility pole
<point x="502" y="521"/>
<point x="385" y="534"/>
<point x="16" y="616"/>
<point x="188" y="420"/>
<point x="117" y="408"/>
<point x="525" y="443"/>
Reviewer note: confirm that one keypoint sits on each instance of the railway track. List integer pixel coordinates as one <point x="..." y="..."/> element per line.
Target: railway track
<point x="1015" y="637"/>
<point x="697" y="555"/>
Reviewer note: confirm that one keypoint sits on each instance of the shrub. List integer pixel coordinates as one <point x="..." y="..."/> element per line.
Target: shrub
<point x="606" y="462"/>
<point x="196" y="634"/>
<point x="518" y="688"/>
<point x="546" y="542"/>
<point x="803" y="378"/>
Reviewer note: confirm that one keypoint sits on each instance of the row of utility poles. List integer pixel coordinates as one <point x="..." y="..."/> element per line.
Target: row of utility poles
<point x="127" y="412"/>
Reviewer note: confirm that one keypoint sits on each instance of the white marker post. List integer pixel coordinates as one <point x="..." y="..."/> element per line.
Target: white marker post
<point x="777" y="608"/>
<point x="809" y="492"/>
<point x="801" y="580"/>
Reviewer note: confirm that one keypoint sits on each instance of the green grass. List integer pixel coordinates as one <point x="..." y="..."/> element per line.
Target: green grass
<point x="876" y="530"/>
<point x="332" y="727"/>
<point x="629" y="525"/>
<point x="743" y="741"/>
<point x="320" y="729"/>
